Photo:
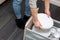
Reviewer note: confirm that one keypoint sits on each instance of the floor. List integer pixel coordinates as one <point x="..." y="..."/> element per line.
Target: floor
<point x="7" y="8"/>
<point x="6" y="11"/>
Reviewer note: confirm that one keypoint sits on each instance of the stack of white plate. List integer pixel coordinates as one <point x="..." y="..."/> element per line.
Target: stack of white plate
<point x="47" y="24"/>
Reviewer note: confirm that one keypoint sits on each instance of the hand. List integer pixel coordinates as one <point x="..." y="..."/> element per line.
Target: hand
<point x="37" y="24"/>
<point x="47" y="12"/>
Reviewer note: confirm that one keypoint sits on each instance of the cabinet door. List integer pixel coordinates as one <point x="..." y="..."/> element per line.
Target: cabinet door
<point x="1" y="1"/>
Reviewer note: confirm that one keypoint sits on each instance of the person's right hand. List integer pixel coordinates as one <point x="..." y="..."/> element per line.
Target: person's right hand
<point x="37" y="24"/>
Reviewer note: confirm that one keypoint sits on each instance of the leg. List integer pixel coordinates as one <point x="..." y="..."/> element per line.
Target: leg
<point x="17" y="10"/>
<point x="27" y="8"/>
<point x="17" y="7"/>
<point x="27" y="11"/>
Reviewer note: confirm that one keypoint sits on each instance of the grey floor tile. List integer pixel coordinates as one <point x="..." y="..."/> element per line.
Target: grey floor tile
<point x="7" y="30"/>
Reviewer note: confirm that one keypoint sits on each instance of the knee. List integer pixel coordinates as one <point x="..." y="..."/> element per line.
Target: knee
<point x="18" y="2"/>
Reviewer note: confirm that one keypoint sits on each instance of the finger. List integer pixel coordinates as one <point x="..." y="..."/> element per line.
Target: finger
<point x="48" y="15"/>
<point x="40" y="27"/>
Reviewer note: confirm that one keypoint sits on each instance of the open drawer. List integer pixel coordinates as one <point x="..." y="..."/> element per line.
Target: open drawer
<point x="31" y="35"/>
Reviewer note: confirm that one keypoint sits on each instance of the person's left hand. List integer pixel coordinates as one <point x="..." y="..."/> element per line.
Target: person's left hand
<point x="47" y="12"/>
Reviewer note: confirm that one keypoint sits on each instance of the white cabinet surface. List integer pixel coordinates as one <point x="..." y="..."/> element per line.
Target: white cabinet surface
<point x="55" y="2"/>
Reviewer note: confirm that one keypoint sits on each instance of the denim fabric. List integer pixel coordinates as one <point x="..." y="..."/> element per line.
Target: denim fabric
<point x="17" y="8"/>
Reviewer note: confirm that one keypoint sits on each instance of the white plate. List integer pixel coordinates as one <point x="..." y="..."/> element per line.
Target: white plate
<point x="43" y="33"/>
<point x="45" y="21"/>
